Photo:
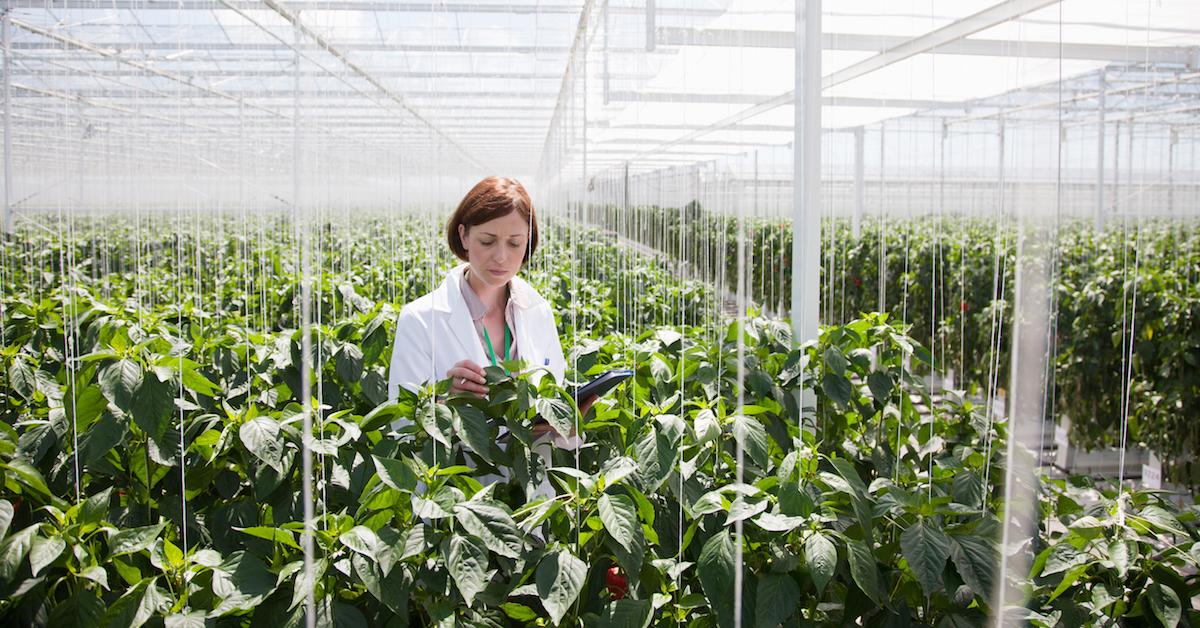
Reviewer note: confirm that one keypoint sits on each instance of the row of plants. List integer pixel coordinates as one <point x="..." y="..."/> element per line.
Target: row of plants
<point x="952" y="279"/>
<point x="251" y="274"/>
<point x="153" y="473"/>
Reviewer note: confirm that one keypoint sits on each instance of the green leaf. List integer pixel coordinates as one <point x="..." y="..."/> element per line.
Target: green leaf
<point x="773" y="522"/>
<point x="1159" y="519"/>
<point x="97" y="574"/>
<point x="349" y="363"/>
<point x="134" y="539"/>
<point x="560" y="578"/>
<point x="881" y="385"/>
<point x="194" y="619"/>
<point x="260" y="436"/>
<point x="6" y="516"/>
<point x="968" y="488"/>
<point x="437" y="421"/>
<point x="84" y="406"/>
<point x="20" y="377"/>
<point x="83" y="608"/>
<point x="471" y="424"/>
<point x="619" y="468"/>
<point x="864" y="570"/>
<point x="1069" y="579"/>
<point x="30" y="478"/>
<point x="95" y="508"/>
<point x="275" y="535"/>
<point x="493" y="525"/>
<point x="519" y="612"/>
<point x="1118" y="553"/>
<point x="389" y="412"/>
<point x="715" y="569"/>
<point x="363" y="540"/>
<point x="1063" y="557"/>
<point x="467" y="561"/>
<point x="778" y="597"/>
<point x="753" y="437"/>
<point x="655" y="456"/>
<point x="153" y="407"/>
<point x="557" y="413"/>
<point x="743" y="508"/>
<point x="242" y="581"/>
<point x="926" y="549"/>
<point x="13" y="551"/>
<point x="627" y="614"/>
<point x="197" y="383"/>
<point x="859" y="495"/>
<point x="45" y="551"/>
<point x="620" y="519"/>
<point x="821" y="556"/>
<point x="136" y="606"/>
<point x="395" y="473"/>
<point x="975" y="559"/>
<point x="119" y="381"/>
<point x="837" y="388"/>
<point x="835" y="362"/>
<point x="1165" y="605"/>
<point x="101" y="437"/>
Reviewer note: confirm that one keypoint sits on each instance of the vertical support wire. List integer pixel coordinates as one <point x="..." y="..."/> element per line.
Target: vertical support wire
<point x="300" y="227"/>
<point x="179" y="304"/>
<point x="741" y="379"/>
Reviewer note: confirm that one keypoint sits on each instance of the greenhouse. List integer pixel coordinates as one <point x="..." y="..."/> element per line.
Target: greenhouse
<point x="600" y="313"/>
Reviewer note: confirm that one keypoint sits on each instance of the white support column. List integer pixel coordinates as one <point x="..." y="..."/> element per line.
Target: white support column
<point x="651" y="26"/>
<point x="1116" y="164"/>
<point x="859" y="183"/>
<point x="1171" y="171"/>
<point x="7" y="222"/>
<point x="1098" y="211"/>
<point x="1027" y="385"/>
<point x="806" y="188"/>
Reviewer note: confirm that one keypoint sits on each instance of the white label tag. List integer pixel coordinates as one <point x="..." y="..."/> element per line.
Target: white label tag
<point x="1152" y="473"/>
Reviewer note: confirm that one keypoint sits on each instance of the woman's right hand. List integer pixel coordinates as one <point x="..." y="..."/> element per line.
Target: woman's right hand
<point x="467" y="377"/>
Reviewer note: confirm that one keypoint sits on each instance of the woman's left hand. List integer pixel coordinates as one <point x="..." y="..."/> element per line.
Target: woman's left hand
<point x="544" y="428"/>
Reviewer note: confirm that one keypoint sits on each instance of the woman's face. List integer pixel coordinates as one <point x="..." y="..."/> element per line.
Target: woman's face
<point x="496" y="248"/>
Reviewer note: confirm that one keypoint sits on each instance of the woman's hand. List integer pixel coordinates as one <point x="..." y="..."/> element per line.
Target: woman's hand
<point x="542" y="427"/>
<point x="467" y="377"/>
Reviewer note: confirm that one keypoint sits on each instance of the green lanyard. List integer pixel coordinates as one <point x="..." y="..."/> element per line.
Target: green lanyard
<point x="492" y="352"/>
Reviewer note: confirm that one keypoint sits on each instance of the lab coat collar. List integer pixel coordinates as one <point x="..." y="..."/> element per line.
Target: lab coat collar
<point x="448" y="297"/>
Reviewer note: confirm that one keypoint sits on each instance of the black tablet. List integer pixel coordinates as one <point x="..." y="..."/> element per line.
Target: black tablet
<point x="602" y="384"/>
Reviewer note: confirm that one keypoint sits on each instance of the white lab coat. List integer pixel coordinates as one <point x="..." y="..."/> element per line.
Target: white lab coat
<point x="435" y="332"/>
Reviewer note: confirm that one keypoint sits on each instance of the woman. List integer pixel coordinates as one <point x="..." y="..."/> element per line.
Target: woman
<point x="482" y="313"/>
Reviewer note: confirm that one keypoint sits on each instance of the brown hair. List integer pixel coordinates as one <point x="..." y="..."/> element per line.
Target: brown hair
<point x="492" y="198"/>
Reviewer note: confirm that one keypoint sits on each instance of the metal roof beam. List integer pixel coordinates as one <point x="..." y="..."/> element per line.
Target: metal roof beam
<point x="235" y="72"/>
<point x="987" y="18"/>
<point x="128" y="92"/>
<point x="984" y="47"/>
<point x="216" y="46"/>
<point x="1079" y="97"/>
<point x="832" y="101"/>
<point x="383" y="89"/>
<point x="379" y="6"/>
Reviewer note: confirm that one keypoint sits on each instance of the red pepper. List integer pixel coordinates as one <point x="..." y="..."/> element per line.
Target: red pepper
<point x="617" y="585"/>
